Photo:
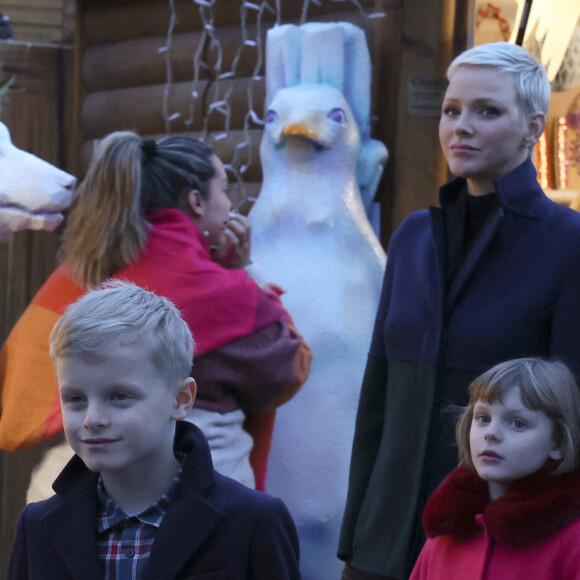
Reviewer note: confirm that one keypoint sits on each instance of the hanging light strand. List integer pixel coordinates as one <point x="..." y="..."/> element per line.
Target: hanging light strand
<point x="213" y="94"/>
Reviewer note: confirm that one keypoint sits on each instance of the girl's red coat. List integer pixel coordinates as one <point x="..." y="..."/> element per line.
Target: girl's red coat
<point x="531" y="532"/>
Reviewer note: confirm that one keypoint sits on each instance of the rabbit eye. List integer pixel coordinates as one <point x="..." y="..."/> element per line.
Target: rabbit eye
<point x="337" y="115"/>
<point x="271" y="116"/>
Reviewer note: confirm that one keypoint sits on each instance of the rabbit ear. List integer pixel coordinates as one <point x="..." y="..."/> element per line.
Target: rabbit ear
<point x="334" y="54"/>
<point x="283" y="50"/>
<point x="323" y="55"/>
<point x="337" y="54"/>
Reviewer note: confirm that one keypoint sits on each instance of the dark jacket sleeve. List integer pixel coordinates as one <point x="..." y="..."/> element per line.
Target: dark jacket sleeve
<point x="565" y="329"/>
<point x="18" y="563"/>
<point x="274" y="549"/>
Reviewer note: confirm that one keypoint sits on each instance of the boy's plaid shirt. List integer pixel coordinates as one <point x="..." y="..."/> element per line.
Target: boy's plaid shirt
<point x="124" y="540"/>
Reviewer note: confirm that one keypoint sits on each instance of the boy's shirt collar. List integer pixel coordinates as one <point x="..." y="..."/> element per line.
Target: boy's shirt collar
<point x="110" y="514"/>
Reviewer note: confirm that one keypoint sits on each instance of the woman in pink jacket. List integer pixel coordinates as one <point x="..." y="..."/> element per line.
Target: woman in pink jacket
<point x="157" y="213"/>
<point x="512" y="510"/>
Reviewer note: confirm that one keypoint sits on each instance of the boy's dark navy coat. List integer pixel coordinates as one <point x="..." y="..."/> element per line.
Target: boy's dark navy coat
<point x="216" y="528"/>
<point x="516" y="294"/>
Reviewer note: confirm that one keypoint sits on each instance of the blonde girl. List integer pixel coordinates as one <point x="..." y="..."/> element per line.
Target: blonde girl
<point x="512" y="509"/>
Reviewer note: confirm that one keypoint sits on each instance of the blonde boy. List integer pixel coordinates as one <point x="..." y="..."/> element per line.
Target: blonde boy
<point x="140" y="499"/>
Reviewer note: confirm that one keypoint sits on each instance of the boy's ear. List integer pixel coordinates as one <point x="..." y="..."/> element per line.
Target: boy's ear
<point x="184" y="398"/>
<point x="196" y="203"/>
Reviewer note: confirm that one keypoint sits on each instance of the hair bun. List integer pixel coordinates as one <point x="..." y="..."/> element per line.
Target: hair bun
<point x="149" y="148"/>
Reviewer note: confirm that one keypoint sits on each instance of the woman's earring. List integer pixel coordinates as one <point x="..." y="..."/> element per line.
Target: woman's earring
<point x="529" y="144"/>
<point x="206" y="233"/>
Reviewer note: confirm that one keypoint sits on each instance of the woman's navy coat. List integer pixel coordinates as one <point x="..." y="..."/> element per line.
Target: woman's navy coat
<point x="517" y="294"/>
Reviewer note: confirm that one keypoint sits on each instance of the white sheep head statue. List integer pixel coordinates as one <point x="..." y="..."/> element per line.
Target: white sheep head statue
<point x="33" y="193"/>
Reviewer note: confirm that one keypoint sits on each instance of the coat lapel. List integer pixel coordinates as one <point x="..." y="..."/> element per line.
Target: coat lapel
<point x="191" y="518"/>
<point x="71" y="527"/>
<point x="473" y="258"/>
<point x="438" y="228"/>
<point x="185" y="527"/>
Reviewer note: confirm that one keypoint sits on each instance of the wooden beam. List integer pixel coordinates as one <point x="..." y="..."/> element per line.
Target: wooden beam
<point x="426" y="49"/>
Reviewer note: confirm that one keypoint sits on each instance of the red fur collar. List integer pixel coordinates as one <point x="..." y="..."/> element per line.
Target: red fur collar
<point x="534" y="508"/>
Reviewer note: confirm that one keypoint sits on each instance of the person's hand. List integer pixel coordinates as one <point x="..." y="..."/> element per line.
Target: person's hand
<point x="234" y="251"/>
<point x="272" y="288"/>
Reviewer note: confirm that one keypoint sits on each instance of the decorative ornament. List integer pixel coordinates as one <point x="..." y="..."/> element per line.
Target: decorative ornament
<point x="493" y="12"/>
<point x="573" y="120"/>
<point x="543" y="162"/>
<point x="567" y="147"/>
<point x="561" y="152"/>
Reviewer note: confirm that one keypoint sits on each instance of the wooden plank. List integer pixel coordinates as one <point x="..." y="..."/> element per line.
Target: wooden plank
<point x="384" y="38"/>
<point x="112" y="20"/>
<point x="27" y="65"/>
<point x="224" y="148"/>
<point x="142" y="61"/>
<point x="140" y="108"/>
<point x="7" y="6"/>
<point x="104" y="21"/>
<point x="33" y="16"/>
<point x="419" y="165"/>
<point x="41" y="21"/>
<point x="38" y="34"/>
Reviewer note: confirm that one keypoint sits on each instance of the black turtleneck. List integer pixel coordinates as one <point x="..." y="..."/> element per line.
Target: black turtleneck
<point x="465" y="219"/>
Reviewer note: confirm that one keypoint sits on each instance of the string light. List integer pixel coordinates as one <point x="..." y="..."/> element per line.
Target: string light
<point x="212" y="86"/>
<point x="562" y="153"/>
